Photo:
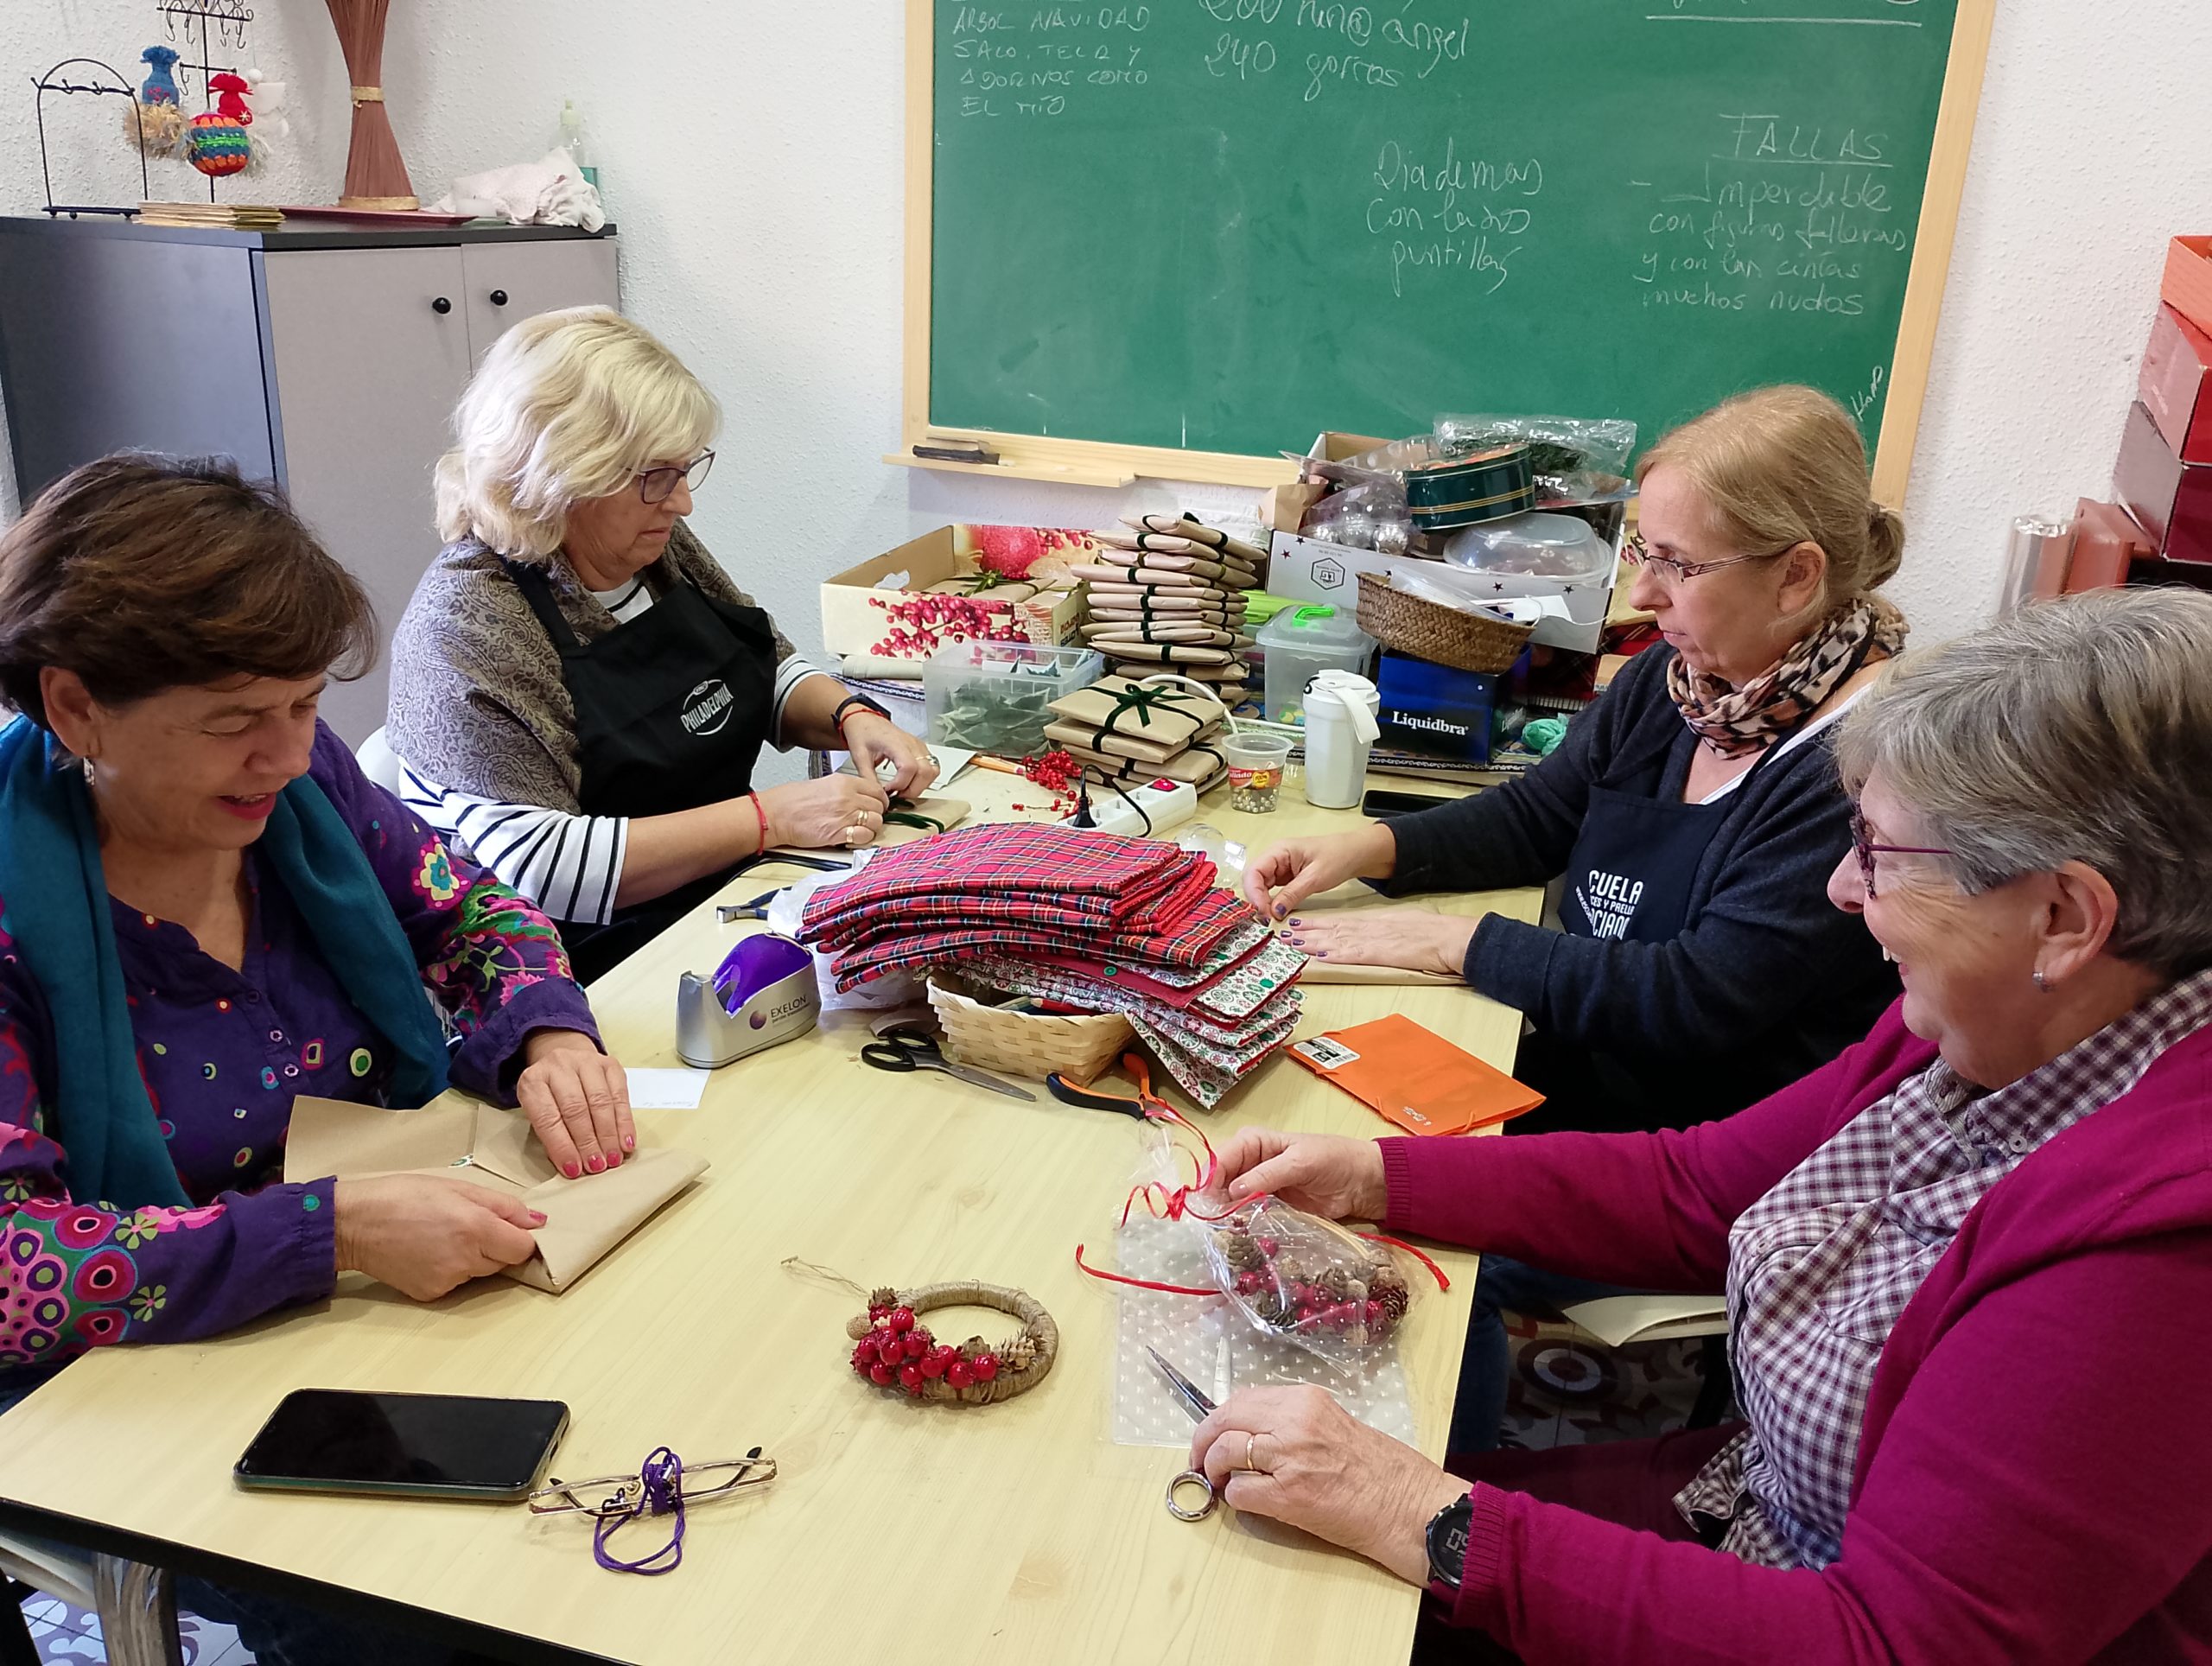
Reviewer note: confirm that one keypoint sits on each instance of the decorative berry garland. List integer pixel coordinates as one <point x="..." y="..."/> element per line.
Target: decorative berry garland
<point x="893" y="1349"/>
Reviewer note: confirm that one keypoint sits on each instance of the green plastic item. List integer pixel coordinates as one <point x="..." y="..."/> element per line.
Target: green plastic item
<point x="1541" y="735"/>
<point x="1260" y="607"/>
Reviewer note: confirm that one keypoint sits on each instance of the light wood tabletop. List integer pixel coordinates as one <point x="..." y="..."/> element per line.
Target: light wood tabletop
<point x="1018" y="1533"/>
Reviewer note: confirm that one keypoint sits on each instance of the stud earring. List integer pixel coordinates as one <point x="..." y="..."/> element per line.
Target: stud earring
<point x="2040" y="984"/>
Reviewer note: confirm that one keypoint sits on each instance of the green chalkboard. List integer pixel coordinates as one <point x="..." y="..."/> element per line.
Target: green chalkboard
<point x="1222" y="225"/>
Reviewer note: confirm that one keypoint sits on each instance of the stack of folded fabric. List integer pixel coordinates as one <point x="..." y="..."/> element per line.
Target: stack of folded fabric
<point x="1128" y="730"/>
<point x="1170" y="593"/>
<point x="1084" y="918"/>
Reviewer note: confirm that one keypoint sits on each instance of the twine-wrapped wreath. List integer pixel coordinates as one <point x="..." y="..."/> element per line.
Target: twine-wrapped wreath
<point x="893" y="1349"/>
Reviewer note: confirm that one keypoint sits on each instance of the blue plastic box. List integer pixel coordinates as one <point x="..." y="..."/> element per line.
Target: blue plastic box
<point x="1434" y="709"/>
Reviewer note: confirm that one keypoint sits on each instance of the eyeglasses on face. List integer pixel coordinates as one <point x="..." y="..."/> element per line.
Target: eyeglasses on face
<point x="1676" y="571"/>
<point x="656" y="485"/>
<point x="1864" y="844"/>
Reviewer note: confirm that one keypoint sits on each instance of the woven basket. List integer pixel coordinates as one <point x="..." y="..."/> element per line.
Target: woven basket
<point x="1428" y="630"/>
<point x="1027" y="1044"/>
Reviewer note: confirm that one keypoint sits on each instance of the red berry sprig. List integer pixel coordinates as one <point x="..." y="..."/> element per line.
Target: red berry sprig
<point x="898" y="1351"/>
<point x="1058" y="772"/>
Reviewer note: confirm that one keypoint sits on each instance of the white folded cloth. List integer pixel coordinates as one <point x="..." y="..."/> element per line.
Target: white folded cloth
<point x="548" y="191"/>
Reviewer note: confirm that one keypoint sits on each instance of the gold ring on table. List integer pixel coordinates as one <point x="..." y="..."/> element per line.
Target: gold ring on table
<point x="1183" y="1512"/>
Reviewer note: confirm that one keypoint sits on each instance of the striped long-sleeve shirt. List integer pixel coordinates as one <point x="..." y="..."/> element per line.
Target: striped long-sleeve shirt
<point x="568" y="864"/>
<point x="483" y="725"/>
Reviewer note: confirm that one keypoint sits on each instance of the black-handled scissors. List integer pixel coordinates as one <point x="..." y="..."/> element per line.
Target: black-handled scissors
<point x="900" y="1049"/>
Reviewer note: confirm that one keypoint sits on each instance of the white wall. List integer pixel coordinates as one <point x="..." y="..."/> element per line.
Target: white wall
<point x="751" y="152"/>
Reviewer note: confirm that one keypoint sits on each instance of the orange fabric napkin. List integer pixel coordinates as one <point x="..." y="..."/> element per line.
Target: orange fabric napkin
<point x="1415" y="1077"/>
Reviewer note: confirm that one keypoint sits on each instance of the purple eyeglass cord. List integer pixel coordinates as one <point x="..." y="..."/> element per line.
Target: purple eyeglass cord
<point x="661" y="1494"/>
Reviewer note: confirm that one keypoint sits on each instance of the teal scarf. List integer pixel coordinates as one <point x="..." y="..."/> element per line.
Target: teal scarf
<point x="55" y="903"/>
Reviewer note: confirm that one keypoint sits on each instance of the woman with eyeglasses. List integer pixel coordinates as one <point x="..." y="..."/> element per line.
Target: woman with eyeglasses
<point x="1691" y="813"/>
<point x="579" y="692"/>
<point x="1938" y="1249"/>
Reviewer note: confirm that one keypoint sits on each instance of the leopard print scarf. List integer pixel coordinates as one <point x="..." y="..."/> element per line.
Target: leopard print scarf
<point x="1737" y="721"/>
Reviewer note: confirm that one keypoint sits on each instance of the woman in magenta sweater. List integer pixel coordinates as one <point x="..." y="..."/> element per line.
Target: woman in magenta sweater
<point x="1935" y="1249"/>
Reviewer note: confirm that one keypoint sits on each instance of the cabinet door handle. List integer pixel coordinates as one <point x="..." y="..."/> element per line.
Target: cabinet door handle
<point x="441" y="305"/>
<point x="498" y="297"/>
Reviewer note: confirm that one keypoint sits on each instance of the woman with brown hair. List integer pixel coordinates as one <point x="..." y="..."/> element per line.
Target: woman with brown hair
<point x="205" y="909"/>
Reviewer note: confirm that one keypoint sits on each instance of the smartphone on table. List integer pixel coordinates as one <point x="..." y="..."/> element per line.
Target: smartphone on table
<point x="421" y="1445"/>
<point x="1381" y="805"/>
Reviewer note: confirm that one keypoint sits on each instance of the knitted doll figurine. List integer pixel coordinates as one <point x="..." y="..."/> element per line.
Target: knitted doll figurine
<point x="230" y="99"/>
<point x="160" y="85"/>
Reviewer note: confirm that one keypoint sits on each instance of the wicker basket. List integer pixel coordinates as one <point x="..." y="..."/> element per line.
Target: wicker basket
<point x="1428" y="630"/>
<point x="1027" y="1044"/>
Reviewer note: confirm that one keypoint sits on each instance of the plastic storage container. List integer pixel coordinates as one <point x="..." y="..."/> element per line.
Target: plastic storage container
<point x="993" y="696"/>
<point x="1301" y="642"/>
<point x="1540" y="554"/>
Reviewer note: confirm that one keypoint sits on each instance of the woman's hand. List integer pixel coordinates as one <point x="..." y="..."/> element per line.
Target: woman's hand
<point x="577" y="1100"/>
<point x="1296" y="1455"/>
<point x="834" y="810"/>
<point x="423" y="1235"/>
<point x="1418" y="939"/>
<point x="1325" y="1174"/>
<point x="1285" y="875"/>
<point x="873" y="740"/>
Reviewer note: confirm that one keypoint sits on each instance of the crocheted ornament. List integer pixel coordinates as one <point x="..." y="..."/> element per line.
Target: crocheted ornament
<point x="893" y="1349"/>
<point x="160" y="85"/>
<point x="217" y="145"/>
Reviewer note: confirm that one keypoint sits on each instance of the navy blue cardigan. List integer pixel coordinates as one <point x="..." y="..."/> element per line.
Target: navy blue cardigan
<point x="1768" y="980"/>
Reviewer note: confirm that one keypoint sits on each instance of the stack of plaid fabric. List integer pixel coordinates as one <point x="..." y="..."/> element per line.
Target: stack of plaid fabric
<point x="1170" y="593"/>
<point x="1086" y="919"/>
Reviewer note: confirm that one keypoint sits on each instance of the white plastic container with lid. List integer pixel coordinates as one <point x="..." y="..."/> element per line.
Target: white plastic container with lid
<point x="1303" y="642"/>
<point x="1538" y="555"/>
<point x="1343" y="714"/>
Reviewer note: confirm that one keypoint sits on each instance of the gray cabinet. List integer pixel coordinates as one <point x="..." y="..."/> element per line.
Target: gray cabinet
<point x="329" y="362"/>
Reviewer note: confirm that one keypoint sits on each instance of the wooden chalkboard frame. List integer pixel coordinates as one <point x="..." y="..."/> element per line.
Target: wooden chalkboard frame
<point x="1087" y="462"/>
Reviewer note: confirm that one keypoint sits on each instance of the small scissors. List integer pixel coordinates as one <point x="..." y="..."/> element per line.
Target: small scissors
<point x="1200" y="1409"/>
<point x="900" y="1049"/>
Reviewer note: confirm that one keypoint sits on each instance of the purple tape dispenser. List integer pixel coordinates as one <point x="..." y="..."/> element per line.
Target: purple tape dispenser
<point x="763" y="993"/>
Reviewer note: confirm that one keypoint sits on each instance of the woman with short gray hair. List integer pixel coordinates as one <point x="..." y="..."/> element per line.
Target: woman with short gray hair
<point x="1937" y="1249"/>
<point x="579" y="693"/>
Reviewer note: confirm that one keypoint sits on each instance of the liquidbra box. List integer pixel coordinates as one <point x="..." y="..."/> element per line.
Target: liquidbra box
<point x="1434" y="709"/>
<point x="862" y="620"/>
<point x="2170" y="500"/>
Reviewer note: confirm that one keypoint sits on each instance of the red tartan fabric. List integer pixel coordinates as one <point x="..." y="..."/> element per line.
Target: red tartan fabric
<point x="1020" y="889"/>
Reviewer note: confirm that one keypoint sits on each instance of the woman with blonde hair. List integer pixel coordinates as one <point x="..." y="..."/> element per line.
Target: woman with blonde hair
<point x="1693" y="811"/>
<point x="1692" y="814"/>
<point x="579" y="693"/>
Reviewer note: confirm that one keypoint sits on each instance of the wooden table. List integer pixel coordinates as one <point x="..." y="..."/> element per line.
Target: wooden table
<point x="1019" y="1534"/>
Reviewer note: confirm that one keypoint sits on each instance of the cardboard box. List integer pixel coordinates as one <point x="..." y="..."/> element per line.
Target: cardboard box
<point x="2172" y="500"/>
<point x="1307" y="569"/>
<point x="2187" y="286"/>
<point x="858" y="620"/>
<point x="2106" y="545"/>
<point x="1433" y="709"/>
<point x="2176" y="385"/>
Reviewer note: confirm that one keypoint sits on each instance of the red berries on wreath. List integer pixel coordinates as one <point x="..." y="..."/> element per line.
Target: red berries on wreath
<point x="900" y="1351"/>
<point x="892" y="1348"/>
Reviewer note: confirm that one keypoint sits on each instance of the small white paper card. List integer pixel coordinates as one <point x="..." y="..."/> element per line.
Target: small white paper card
<point x="666" y="1090"/>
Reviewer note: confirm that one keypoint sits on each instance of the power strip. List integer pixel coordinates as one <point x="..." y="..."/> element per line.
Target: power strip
<point x="1165" y="804"/>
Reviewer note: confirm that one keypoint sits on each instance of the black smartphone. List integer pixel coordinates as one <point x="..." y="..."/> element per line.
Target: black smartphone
<point x="425" y="1445"/>
<point x="1383" y="805"/>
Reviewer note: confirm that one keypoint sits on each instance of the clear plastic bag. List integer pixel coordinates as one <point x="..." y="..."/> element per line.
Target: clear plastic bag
<point x="1576" y="459"/>
<point x="1308" y="1280"/>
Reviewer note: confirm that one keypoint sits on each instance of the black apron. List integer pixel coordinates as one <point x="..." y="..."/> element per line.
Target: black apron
<point x="1628" y="879"/>
<point x="672" y="708"/>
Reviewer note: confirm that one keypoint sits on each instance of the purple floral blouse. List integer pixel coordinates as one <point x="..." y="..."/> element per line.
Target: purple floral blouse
<point x="223" y="1054"/>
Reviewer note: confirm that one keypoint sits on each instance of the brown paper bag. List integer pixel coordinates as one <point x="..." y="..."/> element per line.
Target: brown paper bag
<point x="465" y="1139"/>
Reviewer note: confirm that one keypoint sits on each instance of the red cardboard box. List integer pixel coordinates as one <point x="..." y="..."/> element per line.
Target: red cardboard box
<point x="2170" y="500"/>
<point x="2106" y="543"/>
<point x="2187" y="286"/>
<point x="2176" y="385"/>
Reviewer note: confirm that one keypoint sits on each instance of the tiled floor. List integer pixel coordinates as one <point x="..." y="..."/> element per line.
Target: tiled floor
<point x="69" y="1635"/>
